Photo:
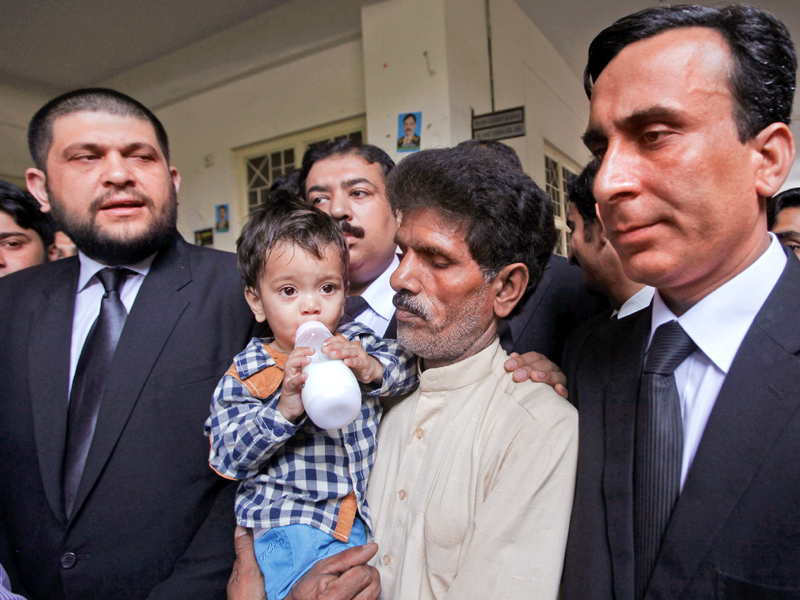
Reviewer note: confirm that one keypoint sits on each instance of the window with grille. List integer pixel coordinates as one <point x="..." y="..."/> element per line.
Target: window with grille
<point x="267" y="161"/>
<point x="559" y="170"/>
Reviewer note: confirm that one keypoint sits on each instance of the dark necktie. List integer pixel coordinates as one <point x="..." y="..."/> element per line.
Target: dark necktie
<point x="354" y="306"/>
<point x="88" y="384"/>
<point x="658" y="449"/>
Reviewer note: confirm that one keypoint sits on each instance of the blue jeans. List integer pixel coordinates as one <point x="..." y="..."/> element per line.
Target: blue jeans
<point x="285" y="554"/>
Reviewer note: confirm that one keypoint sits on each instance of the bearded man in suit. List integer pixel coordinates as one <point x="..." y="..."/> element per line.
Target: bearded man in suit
<point x="689" y="424"/>
<point x="107" y="367"/>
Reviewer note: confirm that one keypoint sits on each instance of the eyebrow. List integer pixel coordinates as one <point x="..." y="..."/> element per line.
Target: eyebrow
<point x="358" y="180"/>
<point x="789" y="234"/>
<point x="635" y="120"/>
<point x="12" y="234"/>
<point x="132" y="147"/>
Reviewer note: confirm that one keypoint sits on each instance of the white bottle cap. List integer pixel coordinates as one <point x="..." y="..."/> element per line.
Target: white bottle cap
<point x="312" y="334"/>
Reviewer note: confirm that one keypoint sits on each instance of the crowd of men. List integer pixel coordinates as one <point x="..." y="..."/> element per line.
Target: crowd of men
<point x="676" y="476"/>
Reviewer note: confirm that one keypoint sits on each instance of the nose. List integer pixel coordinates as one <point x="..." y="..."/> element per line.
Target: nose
<point x="571" y="257"/>
<point x="310" y="304"/>
<point x="118" y="172"/>
<point x="406" y="276"/>
<point x="2" y="259"/>
<point x="341" y="206"/>
<point x="617" y="178"/>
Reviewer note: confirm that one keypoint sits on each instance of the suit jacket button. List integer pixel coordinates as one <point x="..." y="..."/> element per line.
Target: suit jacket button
<point x="68" y="560"/>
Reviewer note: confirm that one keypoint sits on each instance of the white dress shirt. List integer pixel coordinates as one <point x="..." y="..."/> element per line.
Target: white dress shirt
<point x="717" y="324"/>
<point x="639" y="301"/>
<point x="89" y="297"/>
<point x="379" y="296"/>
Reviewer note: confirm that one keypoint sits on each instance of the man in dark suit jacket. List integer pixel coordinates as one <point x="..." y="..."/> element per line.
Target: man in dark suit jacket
<point x="558" y="305"/>
<point x="150" y="519"/>
<point x="689" y="156"/>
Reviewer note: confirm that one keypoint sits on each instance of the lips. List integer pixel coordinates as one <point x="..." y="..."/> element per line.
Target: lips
<point x="633" y="234"/>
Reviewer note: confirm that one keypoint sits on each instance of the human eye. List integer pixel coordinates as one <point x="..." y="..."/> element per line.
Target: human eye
<point x="654" y="136"/>
<point x="85" y="157"/>
<point x="329" y="288"/>
<point x="12" y="244"/>
<point x="359" y="194"/>
<point x="287" y="291"/>
<point x="318" y="200"/>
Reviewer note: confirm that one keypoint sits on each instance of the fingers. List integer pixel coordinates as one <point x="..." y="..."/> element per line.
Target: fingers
<point x="294" y="383"/>
<point x="364" y="578"/>
<point x="538" y="368"/>
<point x="342" y="349"/>
<point x="343" y="561"/>
<point x="246" y="581"/>
<point x="243" y="543"/>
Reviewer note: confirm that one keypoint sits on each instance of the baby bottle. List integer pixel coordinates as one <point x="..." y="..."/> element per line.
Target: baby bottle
<point x="331" y="394"/>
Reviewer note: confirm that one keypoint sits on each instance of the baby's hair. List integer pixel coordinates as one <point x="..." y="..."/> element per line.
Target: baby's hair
<point x="285" y="219"/>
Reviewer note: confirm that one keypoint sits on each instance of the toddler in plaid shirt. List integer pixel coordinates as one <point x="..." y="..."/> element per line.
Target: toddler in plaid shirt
<point x="302" y="488"/>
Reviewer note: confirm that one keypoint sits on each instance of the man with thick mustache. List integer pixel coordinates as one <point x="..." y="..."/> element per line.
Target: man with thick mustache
<point x="107" y="366"/>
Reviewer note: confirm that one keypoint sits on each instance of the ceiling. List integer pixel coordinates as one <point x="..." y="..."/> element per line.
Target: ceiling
<point x="60" y="45"/>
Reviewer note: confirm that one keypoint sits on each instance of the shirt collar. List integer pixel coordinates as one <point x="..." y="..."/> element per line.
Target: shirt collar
<point x="90" y="267"/>
<point x="640" y="300"/>
<point x="465" y="373"/>
<point x="719" y="322"/>
<point x="379" y="294"/>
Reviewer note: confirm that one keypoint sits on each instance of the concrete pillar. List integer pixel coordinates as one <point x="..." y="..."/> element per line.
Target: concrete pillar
<point x="428" y="56"/>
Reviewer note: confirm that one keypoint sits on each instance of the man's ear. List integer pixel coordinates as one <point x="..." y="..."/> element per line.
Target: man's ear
<point x="37" y="185"/>
<point x="774" y="154"/>
<point x="52" y="252"/>
<point x="255" y="304"/>
<point x="176" y="179"/>
<point x="509" y="286"/>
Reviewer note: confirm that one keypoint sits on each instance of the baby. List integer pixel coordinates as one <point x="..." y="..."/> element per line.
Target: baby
<point x="303" y="488"/>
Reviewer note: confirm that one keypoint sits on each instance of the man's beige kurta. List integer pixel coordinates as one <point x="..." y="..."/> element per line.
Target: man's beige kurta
<point x="472" y="486"/>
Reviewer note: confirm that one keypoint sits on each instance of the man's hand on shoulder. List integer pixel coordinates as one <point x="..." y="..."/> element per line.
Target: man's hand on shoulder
<point x="344" y="576"/>
<point x="537" y="367"/>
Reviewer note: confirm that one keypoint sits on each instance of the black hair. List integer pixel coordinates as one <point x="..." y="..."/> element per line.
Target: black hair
<point x="40" y="130"/>
<point x="498" y="148"/>
<point x="284" y="218"/>
<point x="509" y="218"/>
<point x="345" y="147"/>
<point x="26" y="212"/>
<point x="412" y="115"/>
<point x="580" y="193"/>
<point x="762" y="79"/>
<point x="289" y="182"/>
<point x="786" y="199"/>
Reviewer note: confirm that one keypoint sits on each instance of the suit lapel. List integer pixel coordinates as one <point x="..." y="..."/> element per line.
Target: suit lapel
<point x="155" y="312"/>
<point x="630" y="338"/>
<point x="756" y="402"/>
<point x="48" y="368"/>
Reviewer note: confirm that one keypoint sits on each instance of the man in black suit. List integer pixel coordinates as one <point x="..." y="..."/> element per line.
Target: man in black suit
<point x="689" y="425"/>
<point x="105" y="488"/>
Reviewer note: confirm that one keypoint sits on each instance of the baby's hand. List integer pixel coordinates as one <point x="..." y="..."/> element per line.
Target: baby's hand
<point x="367" y="369"/>
<point x="290" y="405"/>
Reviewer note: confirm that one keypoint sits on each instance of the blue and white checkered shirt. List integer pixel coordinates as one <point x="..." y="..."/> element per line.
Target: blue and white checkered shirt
<point x="296" y="472"/>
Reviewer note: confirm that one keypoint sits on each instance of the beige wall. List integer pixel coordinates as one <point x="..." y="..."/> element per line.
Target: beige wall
<point x="317" y="89"/>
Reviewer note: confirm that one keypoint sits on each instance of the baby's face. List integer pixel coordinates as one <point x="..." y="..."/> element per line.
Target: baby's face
<point x="295" y="288"/>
